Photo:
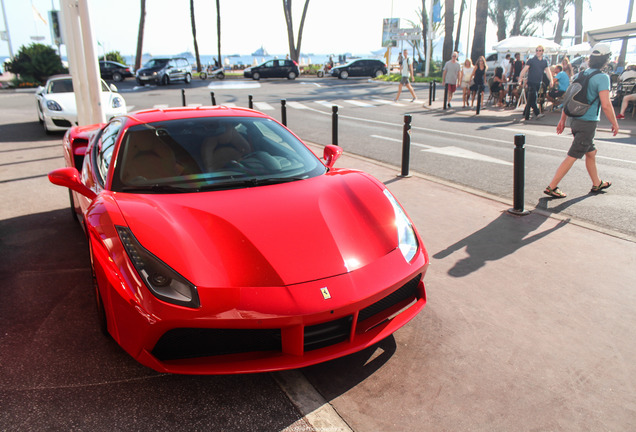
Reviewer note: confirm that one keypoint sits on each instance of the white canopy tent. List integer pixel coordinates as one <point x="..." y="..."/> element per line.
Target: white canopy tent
<point x="526" y="45"/>
<point x="579" y="49"/>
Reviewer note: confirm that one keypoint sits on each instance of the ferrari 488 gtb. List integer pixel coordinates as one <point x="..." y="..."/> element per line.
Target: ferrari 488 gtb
<point x="220" y="243"/>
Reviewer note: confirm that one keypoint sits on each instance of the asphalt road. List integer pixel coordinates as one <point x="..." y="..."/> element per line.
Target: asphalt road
<point x="475" y="151"/>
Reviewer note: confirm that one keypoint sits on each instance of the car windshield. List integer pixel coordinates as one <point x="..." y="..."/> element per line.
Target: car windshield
<point x="61" y="86"/>
<point x="202" y="154"/>
<point x="156" y="63"/>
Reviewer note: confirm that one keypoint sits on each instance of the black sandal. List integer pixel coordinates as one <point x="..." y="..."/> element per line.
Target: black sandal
<point x="600" y="187"/>
<point x="556" y="192"/>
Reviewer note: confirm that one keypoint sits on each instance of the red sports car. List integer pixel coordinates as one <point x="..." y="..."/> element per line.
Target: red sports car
<point x="221" y="244"/>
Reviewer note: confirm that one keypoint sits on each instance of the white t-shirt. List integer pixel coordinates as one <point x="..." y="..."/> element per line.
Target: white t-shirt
<point x="406" y="70"/>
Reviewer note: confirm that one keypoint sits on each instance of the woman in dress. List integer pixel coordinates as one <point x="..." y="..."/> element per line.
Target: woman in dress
<point x="478" y="76"/>
<point x="465" y="74"/>
<point x="567" y="67"/>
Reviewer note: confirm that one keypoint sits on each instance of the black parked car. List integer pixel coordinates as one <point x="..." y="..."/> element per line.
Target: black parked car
<point x="163" y="71"/>
<point x="113" y="70"/>
<point x="273" y="69"/>
<point x="361" y="67"/>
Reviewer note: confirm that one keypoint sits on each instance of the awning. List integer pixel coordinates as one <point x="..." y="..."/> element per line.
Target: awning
<point x="611" y="33"/>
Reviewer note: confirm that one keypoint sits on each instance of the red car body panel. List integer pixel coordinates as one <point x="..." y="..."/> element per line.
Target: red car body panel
<point x="288" y="263"/>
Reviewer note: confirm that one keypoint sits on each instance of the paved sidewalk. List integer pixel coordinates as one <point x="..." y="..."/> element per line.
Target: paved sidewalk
<point x="529" y="323"/>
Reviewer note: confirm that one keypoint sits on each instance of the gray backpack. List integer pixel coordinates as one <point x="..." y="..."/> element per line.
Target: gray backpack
<point x="575" y="102"/>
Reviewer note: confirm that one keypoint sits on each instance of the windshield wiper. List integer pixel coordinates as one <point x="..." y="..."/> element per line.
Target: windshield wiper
<point x="157" y="188"/>
<point x="236" y="184"/>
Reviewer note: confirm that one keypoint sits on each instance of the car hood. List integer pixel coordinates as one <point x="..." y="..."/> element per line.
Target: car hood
<point x="150" y="69"/>
<point x="269" y="235"/>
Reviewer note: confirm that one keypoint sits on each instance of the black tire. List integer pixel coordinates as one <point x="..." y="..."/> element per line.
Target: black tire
<point x="188" y="78"/>
<point x="220" y="75"/>
<point x="73" y="214"/>
<point x="320" y="74"/>
<point x="117" y="77"/>
<point x="377" y="74"/>
<point x="291" y="76"/>
<point x="203" y="75"/>
<point x="165" y="80"/>
<point x="256" y="76"/>
<point x="99" y="302"/>
<point x="344" y="75"/>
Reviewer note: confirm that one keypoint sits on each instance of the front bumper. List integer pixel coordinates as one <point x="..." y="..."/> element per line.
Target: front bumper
<point x="267" y="329"/>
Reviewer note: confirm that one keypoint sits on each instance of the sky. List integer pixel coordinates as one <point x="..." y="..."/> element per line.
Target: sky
<point x="331" y="26"/>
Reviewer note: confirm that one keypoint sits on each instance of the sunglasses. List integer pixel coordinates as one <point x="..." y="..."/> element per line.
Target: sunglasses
<point x="539" y="50"/>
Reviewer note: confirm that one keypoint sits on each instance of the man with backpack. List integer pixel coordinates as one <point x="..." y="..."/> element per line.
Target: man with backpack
<point x="596" y="86"/>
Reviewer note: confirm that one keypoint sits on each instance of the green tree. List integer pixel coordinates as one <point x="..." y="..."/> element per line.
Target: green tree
<point x="113" y="56"/>
<point x="36" y="62"/>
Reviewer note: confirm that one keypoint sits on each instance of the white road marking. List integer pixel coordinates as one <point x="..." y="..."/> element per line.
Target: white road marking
<point x="233" y="85"/>
<point x="297" y="105"/>
<point x="327" y="103"/>
<point x="263" y="106"/>
<point x="451" y="151"/>
<point x="358" y="103"/>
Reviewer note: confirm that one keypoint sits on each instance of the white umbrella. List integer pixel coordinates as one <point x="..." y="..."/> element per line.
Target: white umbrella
<point x="526" y="45"/>
<point x="579" y="49"/>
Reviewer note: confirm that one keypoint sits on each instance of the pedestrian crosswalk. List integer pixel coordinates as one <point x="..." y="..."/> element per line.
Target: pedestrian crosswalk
<point x="314" y="104"/>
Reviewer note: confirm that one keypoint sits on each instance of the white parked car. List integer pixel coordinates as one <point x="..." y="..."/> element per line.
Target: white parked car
<point x="57" y="110"/>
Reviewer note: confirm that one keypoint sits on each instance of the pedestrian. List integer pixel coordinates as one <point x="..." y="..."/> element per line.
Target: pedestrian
<point x="406" y="70"/>
<point x="535" y="68"/>
<point x="477" y="79"/>
<point x="450" y="76"/>
<point x="584" y="128"/>
<point x="466" y="73"/>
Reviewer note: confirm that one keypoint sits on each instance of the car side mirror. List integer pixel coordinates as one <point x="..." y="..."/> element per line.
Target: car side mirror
<point x="331" y="155"/>
<point x="70" y="178"/>
<point x="113" y="88"/>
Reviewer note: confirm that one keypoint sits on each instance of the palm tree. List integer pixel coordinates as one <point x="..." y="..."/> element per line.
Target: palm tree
<point x="140" y="35"/>
<point x="558" y="32"/>
<point x="449" y="25"/>
<point x="462" y="6"/>
<point x="623" y="54"/>
<point x="479" y="37"/>
<point x="194" y="36"/>
<point x="578" y="21"/>
<point x="218" y="30"/>
<point x="294" y="50"/>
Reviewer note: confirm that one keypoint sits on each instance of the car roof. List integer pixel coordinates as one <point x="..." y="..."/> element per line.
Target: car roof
<point x="179" y="113"/>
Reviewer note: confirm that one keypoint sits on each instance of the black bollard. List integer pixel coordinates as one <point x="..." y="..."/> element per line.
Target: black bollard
<point x="430" y="93"/>
<point x="434" y="89"/>
<point x="283" y="111"/>
<point x="250" y="102"/>
<point x="183" y="101"/>
<point x="519" y="176"/>
<point x="445" y="95"/>
<point x="334" y="125"/>
<point x="213" y="98"/>
<point x="478" y="101"/>
<point x="406" y="146"/>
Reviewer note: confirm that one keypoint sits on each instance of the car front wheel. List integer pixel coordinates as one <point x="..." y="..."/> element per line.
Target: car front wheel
<point x="256" y="76"/>
<point x="188" y="78"/>
<point x="344" y="74"/>
<point x="165" y="80"/>
<point x="117" y="77"/>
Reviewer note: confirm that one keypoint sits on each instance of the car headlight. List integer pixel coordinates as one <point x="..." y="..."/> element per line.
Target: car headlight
<point x="53" y="106"/>
<point x="165" y="283"/>
<point x="407" y="241"/>
<point x="117" y="102"/>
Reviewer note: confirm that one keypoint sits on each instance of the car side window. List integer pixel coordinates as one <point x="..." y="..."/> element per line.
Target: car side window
<point x="106" y="147"/>
<point x="171" y="64"/>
